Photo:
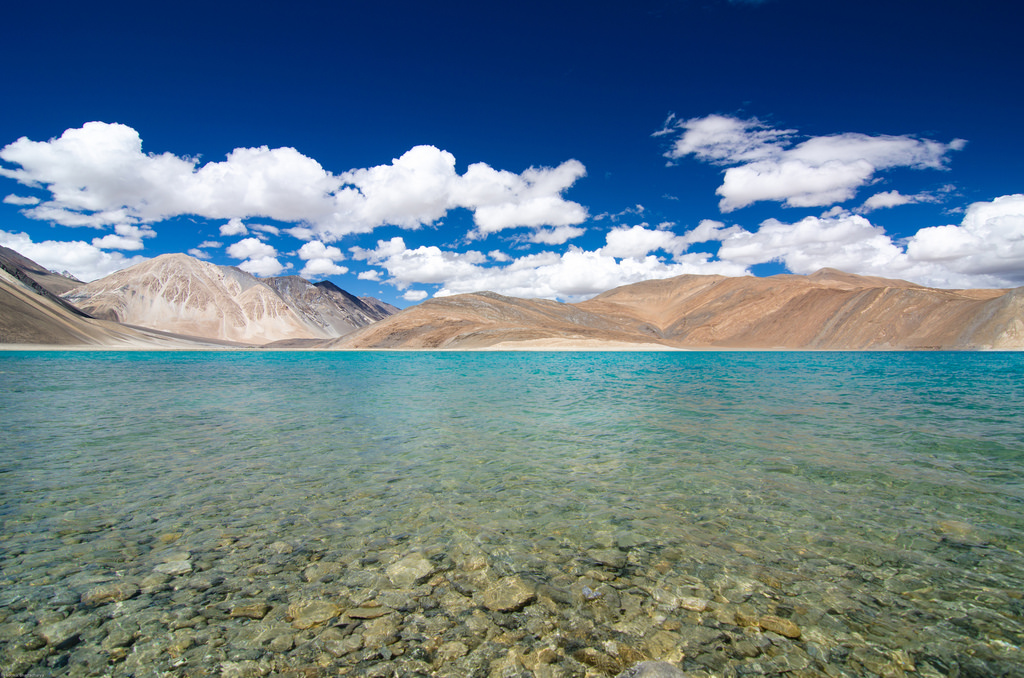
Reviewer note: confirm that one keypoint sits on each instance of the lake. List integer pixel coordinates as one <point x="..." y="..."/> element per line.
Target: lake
<point x="511" y="513"/>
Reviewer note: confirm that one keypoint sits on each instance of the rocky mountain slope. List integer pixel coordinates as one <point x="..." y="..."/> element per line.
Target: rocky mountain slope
<point x="30" y="314"/>
<point x="178" y="293"/>
<point x="327" y="306"/>
<point x="34" y="274"/>
<point x="826" y="310"/>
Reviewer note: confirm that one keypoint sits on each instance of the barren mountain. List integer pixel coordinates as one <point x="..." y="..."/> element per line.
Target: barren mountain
<point x="177" y="293"/>
<point x="31" y="315"/>
<point x="826" y="310"/>
<point x="484" y="319"/>
<point x="327" y="306"/>
<point x="54" y="283"/>
<point x="181" y="295"/>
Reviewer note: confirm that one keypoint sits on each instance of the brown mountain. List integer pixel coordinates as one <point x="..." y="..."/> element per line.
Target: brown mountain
<point x="327" y="306"/>
<point x="178" y="293"/>
<point x="30" y="314"/>
<point x="33" y="273"/>
<point x="486" y="319"/>
<point x="827" y="310"/>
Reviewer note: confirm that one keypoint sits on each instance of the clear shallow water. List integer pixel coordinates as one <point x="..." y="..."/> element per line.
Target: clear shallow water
<point x="875" y="500"/>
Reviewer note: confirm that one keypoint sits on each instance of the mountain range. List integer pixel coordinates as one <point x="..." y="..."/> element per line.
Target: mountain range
<point x="175" y="299"/>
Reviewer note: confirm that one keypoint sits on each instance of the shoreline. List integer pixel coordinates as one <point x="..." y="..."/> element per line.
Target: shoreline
<point x="503" y="347"/>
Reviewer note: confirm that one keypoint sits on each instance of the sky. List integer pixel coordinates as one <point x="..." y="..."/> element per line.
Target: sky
<point x="406" y="150"/>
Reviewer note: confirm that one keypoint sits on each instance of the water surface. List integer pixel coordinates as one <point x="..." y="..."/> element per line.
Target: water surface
<point x="875" y="500"/>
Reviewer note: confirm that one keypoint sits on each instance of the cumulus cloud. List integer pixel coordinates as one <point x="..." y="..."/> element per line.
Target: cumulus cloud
<point x="415" y="295"/>
<point x="765" y="164"/>
<point x="20" y="200"/>
<point x="848" y="242"/>
<point x="249" y="248"/>
<point x="82" y="260"/>
<point x="989" y="242"/>
<point x="556" y="236"/>
<point x="985" y="250"/>
<point x="887" y="199"/>
<point x="99" y="176"/>
<point x="234" y="227"/>
<point x="636" y="242"/>
<point x="317" y="250"/>
<point x="320" y="260"/>
<point x="573" y="275"/>
<point x="264" y="267"/>
<point x="260" y="258"/>
<point x="321" y="268"/>
<point x="124" y="237"/>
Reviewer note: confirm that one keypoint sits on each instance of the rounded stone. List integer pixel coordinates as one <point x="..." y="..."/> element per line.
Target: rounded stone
<point x="174" y="567"/>
<point x="114" y="592"/>
<point x="508" y="594"/>
<point x="652" y="670"/>
<point x="783" y="627"/>
<point x="308" y="613"/>
<point x="410" y="570"/>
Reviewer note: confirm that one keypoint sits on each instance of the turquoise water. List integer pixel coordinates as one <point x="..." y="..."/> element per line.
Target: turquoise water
<point x="874" y="499"/>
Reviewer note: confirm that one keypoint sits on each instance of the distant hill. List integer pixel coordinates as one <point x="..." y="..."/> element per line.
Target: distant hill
<point x="175" y="299"/>
<point x="827" y="310"/>
<point x="178" y="293"/>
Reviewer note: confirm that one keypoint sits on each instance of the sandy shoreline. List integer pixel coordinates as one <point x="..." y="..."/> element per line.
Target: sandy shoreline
<point x="534" y="345"/>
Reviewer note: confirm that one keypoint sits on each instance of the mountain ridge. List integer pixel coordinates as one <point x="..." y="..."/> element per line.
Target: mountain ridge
<point x="177" y="298"/>
<point x="181" y="294"/>
<point x="828" y="310"/>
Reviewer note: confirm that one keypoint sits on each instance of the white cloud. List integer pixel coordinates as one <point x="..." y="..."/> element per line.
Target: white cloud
<point x="317" y="250"/>
<point x="260" y="258"/>
<point x="125" y="237"/>
<point x="847" y="242"/>
<point x="989" y="242"/>
<point x="234" y="227"/>
<point x="428" y="264"/>
<point x="886" y="199"/>
<point x="556" y="236"/>
<point x="573" y="275"/>
<point x="320" y="268"/>
<point x="985" y="250"/>
<point x="263" y="267"/>
<point x="821" y="171"/>
<point x="250" y="248"/>
<point x="726" y="140"/>
<point x="99" y="176"/>
<point x="320" y="260"/>
<point x="636" y="242"/>
<point x="415" y="295"/>
<point x="20" y="200"/>
<point x="265" y="228"/>
<point x="199" y="251"/>
<point x="84" y="261"/>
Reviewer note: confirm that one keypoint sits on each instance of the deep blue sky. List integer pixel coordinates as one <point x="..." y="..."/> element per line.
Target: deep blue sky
<point x="884" y="91"/>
